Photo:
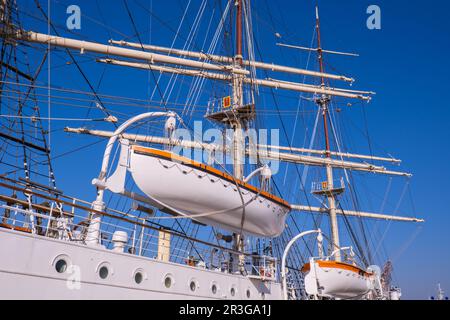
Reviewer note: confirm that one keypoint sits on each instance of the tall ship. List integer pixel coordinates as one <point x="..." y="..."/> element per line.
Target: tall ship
<point x="230" y="179"/>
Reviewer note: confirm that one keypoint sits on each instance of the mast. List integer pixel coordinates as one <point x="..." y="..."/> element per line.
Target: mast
<point x="230" y="60"/>
<point x="237" y="125"/>
<point x="441" y="295"/>
<point x="323" y="103"/>
<point x="237" y="85"/>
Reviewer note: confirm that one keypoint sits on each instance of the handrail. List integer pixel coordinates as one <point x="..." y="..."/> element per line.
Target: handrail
<point x="69" y="229"/>
<point x="339" y="250"/>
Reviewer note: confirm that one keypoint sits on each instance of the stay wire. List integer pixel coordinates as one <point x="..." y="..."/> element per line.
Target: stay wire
<point x="100" y="103"/>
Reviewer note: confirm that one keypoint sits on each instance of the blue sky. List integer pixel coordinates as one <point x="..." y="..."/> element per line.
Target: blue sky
<point x="405" y="63"/>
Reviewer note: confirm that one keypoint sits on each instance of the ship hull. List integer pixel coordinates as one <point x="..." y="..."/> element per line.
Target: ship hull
<point x="196" y="189"/>
<point x="27" y="271"/>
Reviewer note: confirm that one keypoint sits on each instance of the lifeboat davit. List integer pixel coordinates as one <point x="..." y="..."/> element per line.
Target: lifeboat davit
<point x="339" y="280"/>
<point x="206" y="194"/>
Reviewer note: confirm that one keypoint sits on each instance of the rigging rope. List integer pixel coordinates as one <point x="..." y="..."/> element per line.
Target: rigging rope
<point x="100" y="103"/>
<point x="53" y="119"/>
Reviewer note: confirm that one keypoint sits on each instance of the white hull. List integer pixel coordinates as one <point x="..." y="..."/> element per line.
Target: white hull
<point x="27" y="271"/>
<point x="194" y="191"/>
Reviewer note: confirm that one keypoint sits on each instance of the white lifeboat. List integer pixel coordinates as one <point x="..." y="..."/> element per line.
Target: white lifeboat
<point x="181" y="186"/>
<point x="332" y="279"/>
<point x="206" y="194"/>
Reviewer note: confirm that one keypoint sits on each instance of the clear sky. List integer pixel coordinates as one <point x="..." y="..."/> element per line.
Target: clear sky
<point x="406" y="63"/>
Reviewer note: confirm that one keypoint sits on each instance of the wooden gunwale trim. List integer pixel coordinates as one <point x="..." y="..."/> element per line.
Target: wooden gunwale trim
<point x="33" y="205"/>
<point x="337" y="265"/>
<point x="197" y="165"/>
<point x="17" y="228"/>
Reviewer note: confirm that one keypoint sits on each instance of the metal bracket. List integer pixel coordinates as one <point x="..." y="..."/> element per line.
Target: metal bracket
<point x="116" y="182"/>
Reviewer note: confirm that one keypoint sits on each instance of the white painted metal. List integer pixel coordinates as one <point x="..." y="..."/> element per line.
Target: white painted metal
<point x="285" y="253"/>
<point x="310" y="89"/>
<point x="262" y="82"/>
<point x="332" y="213"/>
<point x="120" y="239"/>
<point x="332" y="153"/>
<point x="27" y="271"/>
<point x="86" y="46"/>
<point x="339" y="89"/>
<point x="304" y="208"/>
<point x="229" y="60"/>
<point x="264" y="171"/>
<point x="167" y="69"/>
<point x="395" y="294"/>
<point x="265" y="154"/>
<point x="212" y="147"/>
<point x="93" y="235"/>
<point x="116" y="182"/>
<point x="441" y="293"/>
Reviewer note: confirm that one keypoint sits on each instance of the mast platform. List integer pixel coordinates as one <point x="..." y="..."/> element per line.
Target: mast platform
<point x="229" y="115"/>
<point x="324" y="189"/>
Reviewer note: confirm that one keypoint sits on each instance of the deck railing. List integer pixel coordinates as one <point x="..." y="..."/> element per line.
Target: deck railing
<point x="67" y="219"/>
<point x="323" y="186"/>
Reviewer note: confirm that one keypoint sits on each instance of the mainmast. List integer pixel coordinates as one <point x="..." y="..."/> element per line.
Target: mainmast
<point x="236" y="123"/>
<point x="323" y="103"/>
<point x="237" y="85"/>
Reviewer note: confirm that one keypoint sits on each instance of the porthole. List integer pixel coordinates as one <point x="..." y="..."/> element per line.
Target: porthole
<point x="138" y="277"/>
<point x="248" y="293"/>
<point x="61" y="263"/>
<point x="103" y="272"/>
<point x="233" y="291"/>
<point x="214" y="288"/>
<point x="61" y="266"/>
<point x="193" y="286"/>
<point x="168" y="282"/>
